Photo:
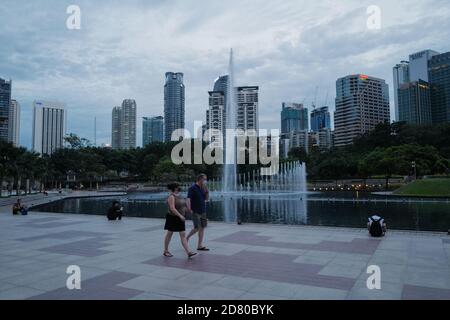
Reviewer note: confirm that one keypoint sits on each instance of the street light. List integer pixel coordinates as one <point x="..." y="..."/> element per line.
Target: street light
<point x="413" y="164"/>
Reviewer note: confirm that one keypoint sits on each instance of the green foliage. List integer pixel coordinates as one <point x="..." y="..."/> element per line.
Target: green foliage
<point x="388" y="150"/>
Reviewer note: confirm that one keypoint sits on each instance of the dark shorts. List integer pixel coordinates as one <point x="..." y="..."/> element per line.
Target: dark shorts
<point x="199" y="220"/>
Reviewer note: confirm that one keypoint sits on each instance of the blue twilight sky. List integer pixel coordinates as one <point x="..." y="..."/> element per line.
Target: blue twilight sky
<point x="124" y="48"/>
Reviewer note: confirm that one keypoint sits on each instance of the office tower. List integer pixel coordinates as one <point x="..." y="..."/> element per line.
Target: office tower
<point x="128" y="124"/>
<point x="221" y="84"/>
<point x="247" y="108"/>
<point x="362" y="102"/>
<point x="294" y="117"/>
<point x="320" y="119"/>
<point x="5" y="103"/>
<point x="174" y="103"/>
<point x="439" y="72"/>
<point x="14" y="123"/>
<point x="418" y="65"/>
<point x="115" y="132"/>
<point x="414" y="103"/>
<point x="49" y="126"/>
<point x="152" y="130"/>
<point x="216" y="117"/>
<point x="401" y="76"/>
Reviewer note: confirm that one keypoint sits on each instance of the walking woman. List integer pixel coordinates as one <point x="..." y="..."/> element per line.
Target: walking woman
<point x="175" y="219"/>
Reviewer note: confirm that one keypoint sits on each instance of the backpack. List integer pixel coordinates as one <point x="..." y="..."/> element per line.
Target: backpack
<point x="376" y="226"/>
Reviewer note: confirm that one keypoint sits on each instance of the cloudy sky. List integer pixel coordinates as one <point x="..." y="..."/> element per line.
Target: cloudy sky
<point x="288" y="48"/>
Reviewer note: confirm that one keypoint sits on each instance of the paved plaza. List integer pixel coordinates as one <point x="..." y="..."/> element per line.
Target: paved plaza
<point x="123" y="260"/>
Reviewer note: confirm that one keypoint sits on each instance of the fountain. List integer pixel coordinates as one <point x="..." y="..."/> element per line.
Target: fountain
<point x="283" y="194"/>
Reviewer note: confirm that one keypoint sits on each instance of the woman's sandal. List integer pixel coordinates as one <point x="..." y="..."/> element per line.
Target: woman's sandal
<point x="167" y="254"/>
<point x="191" y="254"/>
<point x="203" y="249"/>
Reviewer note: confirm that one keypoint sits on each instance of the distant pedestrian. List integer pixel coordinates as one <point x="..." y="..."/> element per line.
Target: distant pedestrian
<point x="18" y="207"/>
<point x="175" y="219"/>
<point x="198" y="194"/>
<point x="115" y="212"/>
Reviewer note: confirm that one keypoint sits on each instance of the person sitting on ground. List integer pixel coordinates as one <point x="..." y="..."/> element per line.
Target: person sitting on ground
<point x="19" y="207"/>
<point x="115" y="212"/>
<point x="377" y="226"/>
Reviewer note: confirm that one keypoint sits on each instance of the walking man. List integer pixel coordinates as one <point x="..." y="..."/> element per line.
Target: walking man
<point x="198" y="194"/>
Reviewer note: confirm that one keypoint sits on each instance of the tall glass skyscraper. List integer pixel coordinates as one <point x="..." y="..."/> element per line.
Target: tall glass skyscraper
<point x="362" y="102"/>
<point x="414" y="103"/>
<point x="5" y="103"/>
<point x="174" y="104"/>
<point x="439" y="73"/>
<point x="320" y="119"/>
<point x="294" y="117"/>
<point x="401" y="76"/>
<point x="152" y="130"/>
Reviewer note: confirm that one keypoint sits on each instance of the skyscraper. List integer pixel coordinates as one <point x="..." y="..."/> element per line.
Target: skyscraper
<point x="123" y="133"/>
<point x="401" y="76"/>
<point x="294" y="117"/>
<point x="174" y="104"/>
<point x="128" y="124"/>
<point x="439" y="72"/>
<point x="247" y="108"/>
<point x="115" y="132"/>
<point x="152" y="130"/>
<point x="221" y="84"/>
<point x="414" y="103"/>
<point x="362" y="102"/>
<point x="216" y="116"/>
<point x="5" y="103"/>
<point x="418" y="65"/>
<point x="14" y="123"/>
<point x="320" y="119"/>
<point x="49" y="126"/>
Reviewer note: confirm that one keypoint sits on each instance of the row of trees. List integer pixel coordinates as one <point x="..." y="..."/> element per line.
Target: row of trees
<point x="390" y="149"/>
<point x="396" y="149"/>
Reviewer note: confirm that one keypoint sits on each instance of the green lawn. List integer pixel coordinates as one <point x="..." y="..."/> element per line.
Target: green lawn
<point x="426" y="188"/>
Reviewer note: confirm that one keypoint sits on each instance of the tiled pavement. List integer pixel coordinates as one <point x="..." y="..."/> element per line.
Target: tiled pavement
<point x="122" y="260"/>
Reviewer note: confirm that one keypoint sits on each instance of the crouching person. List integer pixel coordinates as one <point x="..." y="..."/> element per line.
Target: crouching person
<point x="115" y="212"/>
<point x="19" y="208"/>
<point x="377" y="226"/>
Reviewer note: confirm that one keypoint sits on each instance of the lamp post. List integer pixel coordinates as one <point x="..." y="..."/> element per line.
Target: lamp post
<point x="413" y="165"/>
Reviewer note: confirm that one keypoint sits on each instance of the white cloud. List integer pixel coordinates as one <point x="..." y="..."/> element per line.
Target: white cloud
<point x="288" y="48"/>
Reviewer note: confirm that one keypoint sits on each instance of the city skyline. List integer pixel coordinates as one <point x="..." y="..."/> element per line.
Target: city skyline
<point x="287" y="65"/>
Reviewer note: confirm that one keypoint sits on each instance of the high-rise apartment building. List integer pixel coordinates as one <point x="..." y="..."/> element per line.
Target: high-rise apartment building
<point x="49" y="126"/>
<point x="123" y="133"/>
<point x="14" y="123"/>
<point x="362" y="102"/>
<point x="216" y="117"/>
<point x="247" y="108"/>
